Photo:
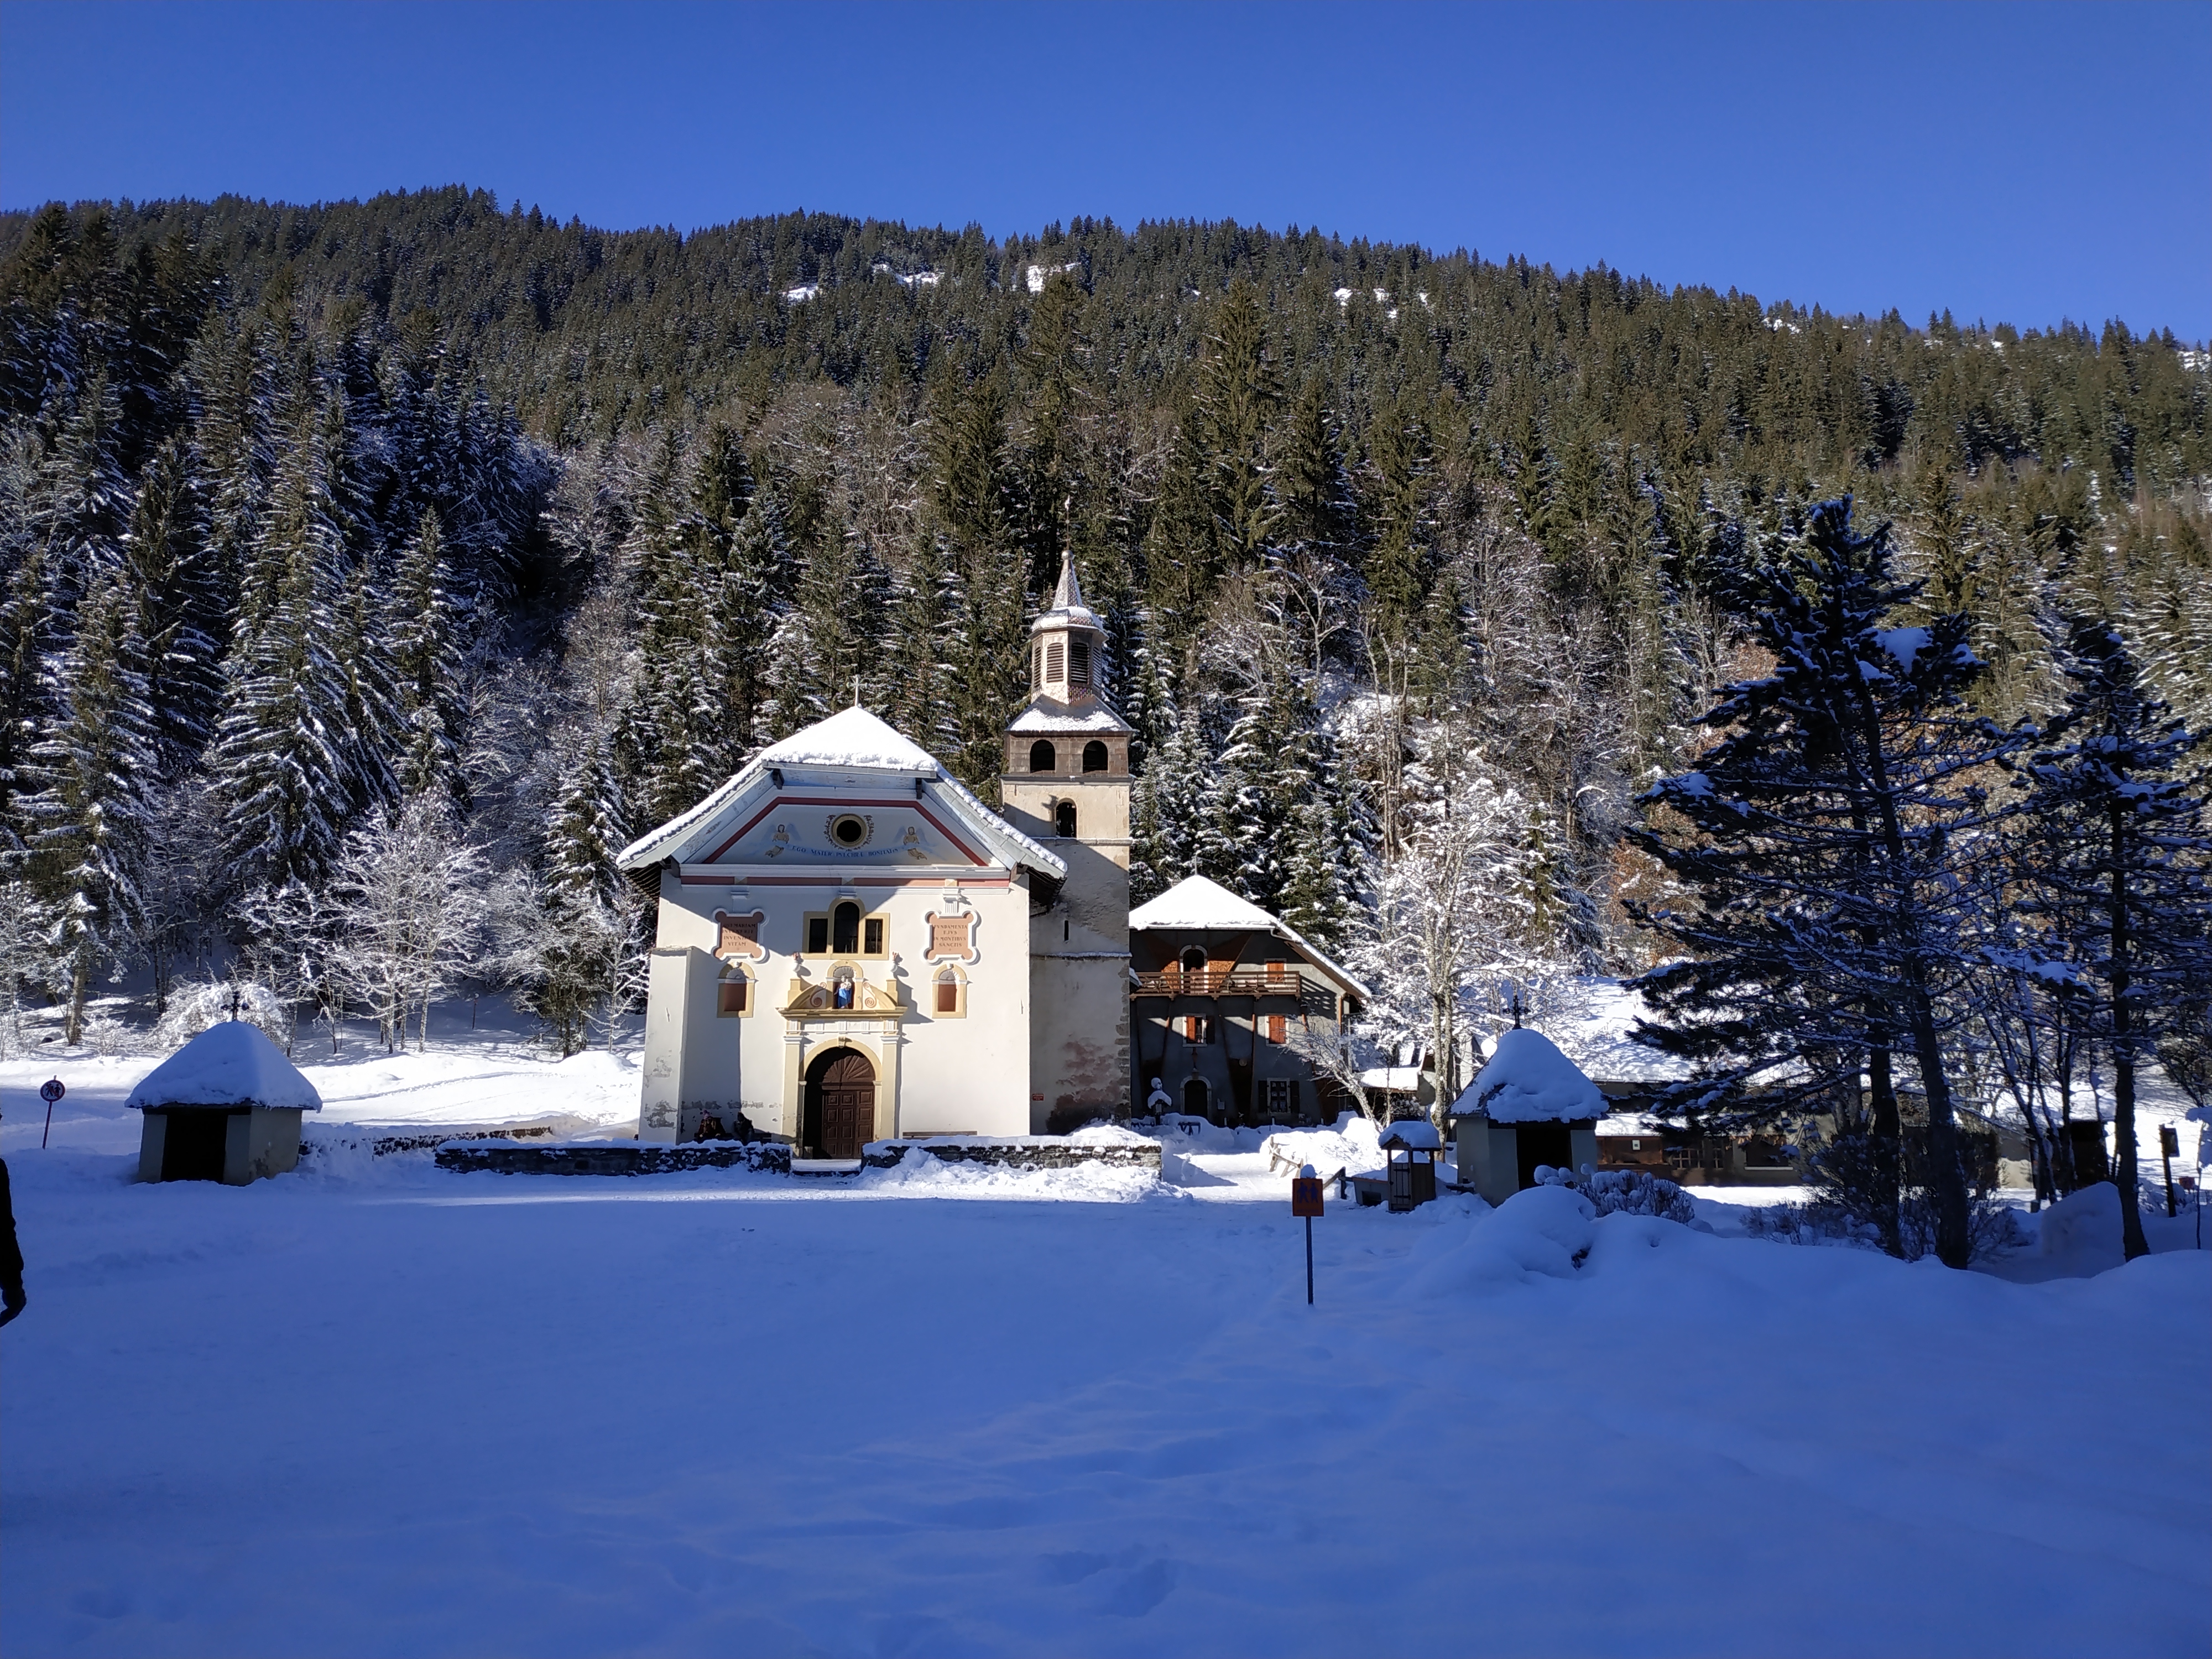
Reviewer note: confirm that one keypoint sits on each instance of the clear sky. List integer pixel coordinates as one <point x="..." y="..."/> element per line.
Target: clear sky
<point x="2020" y="162"/>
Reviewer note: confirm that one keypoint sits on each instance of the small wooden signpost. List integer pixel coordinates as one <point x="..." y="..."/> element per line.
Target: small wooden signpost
<point x="51" y="1091"/>
<point x="2169" y="1148"/>
<point x="1306" y="1200"/>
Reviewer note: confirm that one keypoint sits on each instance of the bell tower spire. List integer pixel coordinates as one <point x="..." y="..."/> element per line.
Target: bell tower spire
<point x="1067" y="648"/>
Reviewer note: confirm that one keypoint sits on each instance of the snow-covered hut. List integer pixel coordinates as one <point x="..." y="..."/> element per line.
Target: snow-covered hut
<point x="1529" y="1106"/>
<point x="225" y="1107"/>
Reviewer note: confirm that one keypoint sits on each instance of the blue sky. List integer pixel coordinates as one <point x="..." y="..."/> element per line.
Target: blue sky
<point x="2020" y="163"/>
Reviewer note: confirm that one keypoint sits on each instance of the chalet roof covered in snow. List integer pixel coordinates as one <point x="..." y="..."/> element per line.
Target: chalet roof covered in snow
<point x="1195" y="905"/>
<point x="232" y="1064"/>
<point x="851" y="741"/>
<point x="1528" y="1081"/>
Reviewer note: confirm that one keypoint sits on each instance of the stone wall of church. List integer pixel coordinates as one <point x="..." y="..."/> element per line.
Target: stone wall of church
<point x="961" y="1070"/>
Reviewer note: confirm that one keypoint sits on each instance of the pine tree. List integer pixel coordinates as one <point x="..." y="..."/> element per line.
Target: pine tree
<point x="972" y="499"/>
<point x="926" y="641"/>
<point x="574" y="934"/>
<point x="89" y="816"/>
<point x="1827" y="841"/>
<point x="1238" y="396"/>
<point x="1311" y="587"/>
<point x="1183" y="555"/>
<point x="2122" y="874"/>
<point x="181" y="604"/>
<point x="1172" y="811"/>
<point x="280" y="767"/>
<point x="426" y="667"/>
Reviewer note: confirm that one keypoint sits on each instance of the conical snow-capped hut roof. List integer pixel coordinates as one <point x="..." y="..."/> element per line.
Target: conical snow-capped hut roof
<point x="1528" y="1081"/>
<point x="232" y="1064"/>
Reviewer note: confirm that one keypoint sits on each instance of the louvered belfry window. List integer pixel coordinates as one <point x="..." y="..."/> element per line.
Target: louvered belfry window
<point x="1078" y="663"/>
<point x="1052" y="662"/>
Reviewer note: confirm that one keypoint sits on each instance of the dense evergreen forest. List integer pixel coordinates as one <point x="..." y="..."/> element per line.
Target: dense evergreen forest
<point x="372" y="572"/>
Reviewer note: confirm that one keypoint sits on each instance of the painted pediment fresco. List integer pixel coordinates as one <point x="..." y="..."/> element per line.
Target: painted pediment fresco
<point x="861" y="832"/>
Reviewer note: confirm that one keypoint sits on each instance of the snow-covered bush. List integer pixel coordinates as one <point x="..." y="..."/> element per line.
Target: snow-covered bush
<point x="194" y="1006"/>
<point x="1624" y="1192"/>
<point x="1991" y="1227"/>
<point x="107" y="1036"/>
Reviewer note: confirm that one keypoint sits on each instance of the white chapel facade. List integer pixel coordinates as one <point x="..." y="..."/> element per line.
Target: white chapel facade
<point x="850" y="947"/>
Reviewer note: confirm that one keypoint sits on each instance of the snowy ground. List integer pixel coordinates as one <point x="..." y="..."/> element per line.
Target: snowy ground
<point x="373" y="1408"/>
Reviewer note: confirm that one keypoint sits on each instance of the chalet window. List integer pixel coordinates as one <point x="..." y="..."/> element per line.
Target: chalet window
<point x="1277" y="972"/>
<point x="1063" y="819"/>
<point x="1278" y="1099"/>
<point x="1193" y="960"/>
<point x="1678" y="1158"/>
<point x="1095" y="757"/>
<point x="1052" y="661"/>
<point x="1079" y="664"/>
<point x="1041" y="757"/>
<point x="845" y="929"/>
<point x="948" y="992"/>
<point x="871" y="937"/>
<point x="1198" y="1028"/>
<point x="734" y="995"/>
<point x="1271" y="1027"/>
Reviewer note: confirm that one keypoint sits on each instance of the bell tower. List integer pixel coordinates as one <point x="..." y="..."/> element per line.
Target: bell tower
<point x="1066" y="783"/>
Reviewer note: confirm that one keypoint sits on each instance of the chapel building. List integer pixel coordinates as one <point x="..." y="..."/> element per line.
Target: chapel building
<point x="850" y="947"/>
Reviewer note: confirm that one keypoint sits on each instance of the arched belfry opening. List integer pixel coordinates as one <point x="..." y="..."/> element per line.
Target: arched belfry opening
<point x="1042" y="757"/>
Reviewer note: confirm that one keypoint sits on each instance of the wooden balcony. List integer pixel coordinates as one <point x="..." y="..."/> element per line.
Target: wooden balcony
<point x="1234" y="982"/>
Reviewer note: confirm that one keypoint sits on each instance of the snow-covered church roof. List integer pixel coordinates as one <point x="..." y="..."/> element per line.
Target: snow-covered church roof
<point x="1528" y="1081"/>
<point x="1197" y="904"/>
<point x="851" y="737"/>
<point x="232" y="1064"/>
<point x="852" y="740"/>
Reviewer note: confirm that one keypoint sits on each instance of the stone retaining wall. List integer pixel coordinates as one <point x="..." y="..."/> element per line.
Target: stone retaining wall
<point x="616" y="1157"/>
<point x="619" y="1158"/>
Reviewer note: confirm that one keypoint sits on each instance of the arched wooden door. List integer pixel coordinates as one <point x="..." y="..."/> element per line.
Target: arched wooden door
<point x="841" y="1088"/>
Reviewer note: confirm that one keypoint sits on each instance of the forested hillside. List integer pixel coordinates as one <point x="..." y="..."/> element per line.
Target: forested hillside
<point x="373" y="571"/>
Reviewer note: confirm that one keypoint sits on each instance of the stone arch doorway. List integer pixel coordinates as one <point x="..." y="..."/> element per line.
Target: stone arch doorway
<point x="839" y="1117"/>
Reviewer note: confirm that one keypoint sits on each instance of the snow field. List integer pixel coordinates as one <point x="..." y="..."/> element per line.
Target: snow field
<point x="377" y="1407"/>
